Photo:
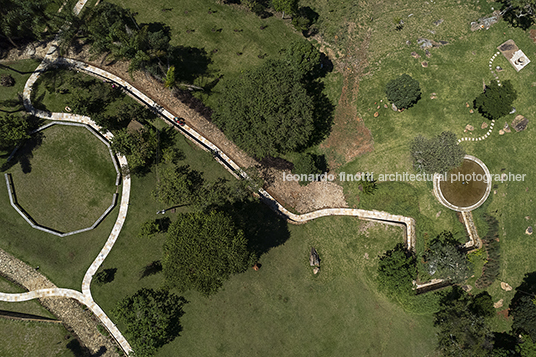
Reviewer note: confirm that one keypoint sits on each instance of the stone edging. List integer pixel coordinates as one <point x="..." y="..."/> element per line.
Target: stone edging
<point x="443" y="200"/>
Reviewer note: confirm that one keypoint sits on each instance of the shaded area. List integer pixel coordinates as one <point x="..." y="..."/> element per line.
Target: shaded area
<point x="152" y="268"/>
<point x="28" y="317"/>
<point x="263" y="228"/>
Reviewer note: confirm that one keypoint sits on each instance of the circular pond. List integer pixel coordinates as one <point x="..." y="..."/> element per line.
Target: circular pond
<point x="466" y="187"/>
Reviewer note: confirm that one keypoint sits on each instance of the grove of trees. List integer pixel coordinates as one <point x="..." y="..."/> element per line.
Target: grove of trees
<point x="436" y="155"/>
<point x="202" y="250"/>
<point x="266" y="111"/>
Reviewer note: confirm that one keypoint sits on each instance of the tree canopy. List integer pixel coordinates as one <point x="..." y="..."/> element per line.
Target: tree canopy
<point x="496" y="101"/>
<point x="396" y="271"/>
<point x="403" y="91"/>
<point x="13" y="130"/>
<point x="266" y="111"/>
<point x="151" y="318"/>
<point x="303" y="56"/>
<point x="520" y="13"/>
<point x="202" y="250"/>
<point x="23" y="19"/>
<point x="437" y="155"/>
<point x="462" y="331"/>
<point x="445" y="261"/>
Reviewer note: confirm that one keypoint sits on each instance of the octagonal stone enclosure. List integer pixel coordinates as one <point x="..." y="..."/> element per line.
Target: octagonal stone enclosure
<point x="459" y="193"/>
<point x="13" y="198"/>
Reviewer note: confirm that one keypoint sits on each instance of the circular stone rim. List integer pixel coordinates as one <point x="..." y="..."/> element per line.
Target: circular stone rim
<point x="443" y="200"/>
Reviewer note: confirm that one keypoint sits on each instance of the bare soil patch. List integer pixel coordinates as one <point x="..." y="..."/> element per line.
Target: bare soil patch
<point x="349" y="136"/>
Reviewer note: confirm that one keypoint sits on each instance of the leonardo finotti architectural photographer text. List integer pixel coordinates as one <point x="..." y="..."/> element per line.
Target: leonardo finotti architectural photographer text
<point x="404" y="176"/>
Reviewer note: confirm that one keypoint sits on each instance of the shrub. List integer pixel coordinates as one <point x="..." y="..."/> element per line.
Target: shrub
<point x="403" y="91"/>
<point x="439" y="154"/>
<point x="309" y="164"/>
<point x="496" y="101"/>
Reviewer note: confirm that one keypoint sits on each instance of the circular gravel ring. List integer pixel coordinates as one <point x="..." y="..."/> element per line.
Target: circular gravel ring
<point x="450" y="203"/>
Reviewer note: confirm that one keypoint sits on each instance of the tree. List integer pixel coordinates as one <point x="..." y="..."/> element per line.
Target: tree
<point x="303" y="56"/>
<point x="437" y="155"/>
<point x="482" y="305"/>
<point x="496" y="101"/>
<point x="306" y="164"/>
<point x="462" y="332"/>
<point x="139" y="146"/>
<point x="288" y="6"/>
<point x="524" y="315"/>
<point x="397" y="271"/>
<point x="13" y="130"/>
<point x="149" y="229"/>
<point x="446" y="261"/>
<point x="151" y="318"/>
<point x="520" y="13"/>
<point x="403" y="91"/>
<point x="267" y="111"/>
<point x="171" y="81"/>
<point x="179" y="185"/>
<point x="21" y="19"/>
<point x="202" y="250"/>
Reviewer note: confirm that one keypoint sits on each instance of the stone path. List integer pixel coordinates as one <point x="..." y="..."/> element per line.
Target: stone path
<point x="493" y="121"/>
<point x="85" y="296"/>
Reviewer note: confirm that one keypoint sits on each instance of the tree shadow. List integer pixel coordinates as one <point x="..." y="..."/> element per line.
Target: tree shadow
<point x="24" y="154"/>
<point x="526" y="288"/>
<point x="152" y="268"/>
<point x="263" y="228"/>
<point x="14" y="70"/>
<point x="82" y="351"/>
<point x="190" y="62"/>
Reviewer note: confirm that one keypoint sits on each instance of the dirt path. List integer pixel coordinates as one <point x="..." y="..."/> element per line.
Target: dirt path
<point x="349" y="137"/>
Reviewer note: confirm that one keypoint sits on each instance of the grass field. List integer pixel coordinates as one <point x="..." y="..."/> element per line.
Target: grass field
<point x="21" y="338"/>
<point x="8" y="95"/>
<point x="454" y="75"/>
<point x="68" y="181"/>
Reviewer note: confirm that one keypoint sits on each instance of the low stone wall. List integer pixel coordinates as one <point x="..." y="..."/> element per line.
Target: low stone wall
<point x="30" y="220"/>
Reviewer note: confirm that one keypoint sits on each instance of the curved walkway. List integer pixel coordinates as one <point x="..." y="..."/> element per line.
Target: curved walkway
<point x="85" y="296"/>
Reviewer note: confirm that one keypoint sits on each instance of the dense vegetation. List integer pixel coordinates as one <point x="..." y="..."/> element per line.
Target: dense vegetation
<point x="403" y="91"/>
<point x="13" y="130"/>
<point x="202" y="250"/>
<point x="152" y="319"/>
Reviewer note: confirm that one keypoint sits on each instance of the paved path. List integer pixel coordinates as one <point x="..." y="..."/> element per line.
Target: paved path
<point x="85" y="296"/>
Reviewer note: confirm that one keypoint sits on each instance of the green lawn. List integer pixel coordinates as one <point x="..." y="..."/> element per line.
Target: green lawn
<point x="8" y="95"/>
<point x="455" y="74"/>
<point x="219" y="56"/>
<point x="68" y="181"/>
<point x="21" y="338"/>
<point x="284" y="309"/>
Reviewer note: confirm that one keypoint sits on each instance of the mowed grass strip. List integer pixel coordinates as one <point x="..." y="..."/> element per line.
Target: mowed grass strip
<point x="68" y="181"/>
